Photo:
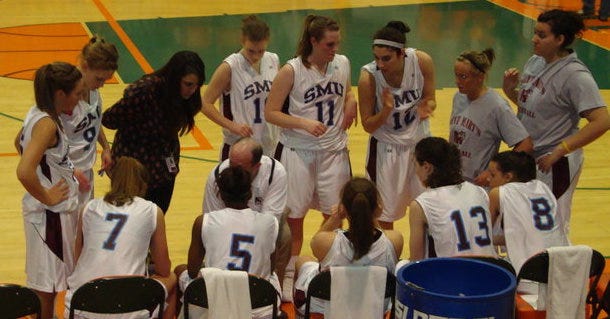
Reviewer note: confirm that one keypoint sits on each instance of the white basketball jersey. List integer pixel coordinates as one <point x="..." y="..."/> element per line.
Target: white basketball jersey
<point x="403" y="126"/>
<point x="239" y="240"/>
<point x="115" y="240"/>
<point x="54" y="166"/>
<point x="531" y="224"/>
<point x="82" y="128"/>
<point x="245" y="101"/>
<point x="458" y="220"/>
<point x="319" y="97"/>
<point x="341" y="252"/>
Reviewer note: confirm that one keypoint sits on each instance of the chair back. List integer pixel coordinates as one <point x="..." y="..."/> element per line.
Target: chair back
<point x="262" y="293"/>
<point x="17" y="301"/>
<point x="536" y="268"/>
<point x="320" y="286"/>
<point x="119" y="295"/>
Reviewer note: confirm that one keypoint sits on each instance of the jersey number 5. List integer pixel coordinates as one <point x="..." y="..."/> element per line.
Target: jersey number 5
<point x="236" y="251"/>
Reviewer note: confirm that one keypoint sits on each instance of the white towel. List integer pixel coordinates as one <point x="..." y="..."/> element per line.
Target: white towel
<point x="228" y="293"/>
<point x="568" y="281"/>
<point x="357" y="292"/>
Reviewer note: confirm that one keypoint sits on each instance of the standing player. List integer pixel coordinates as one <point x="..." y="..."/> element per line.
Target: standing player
<point x="115" y="234"/>
<point x="46" y="172"/>
<point x="313" y="143"/>
<point x="481" y="118"/>
<point x="554" y="92"/>
<point x="98" y="61"/>
<point x="525" y="206"/>
<point x="451" y="217"/>
<point x="234" y="238"/>
<point x="244" y="79"/>
<point x="396" y="96"/>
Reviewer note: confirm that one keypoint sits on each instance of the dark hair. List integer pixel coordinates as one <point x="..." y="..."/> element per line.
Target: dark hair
<point x="314" y="26"/>
<point x="254" y="29"/>
<point x="480" y="60"/>
<point x="234" y="186"/>
<point x="129" y="179"/>
<point x="566" y="23"/>
<point x="180" y="113"/>
<point x="521" y="164"/>
<point x="50" y="78"/>
<point x="393" y="31"/>
<point x="444" y="156"/>
<point x="361" y="200"/>
<point x="100" y="54"/>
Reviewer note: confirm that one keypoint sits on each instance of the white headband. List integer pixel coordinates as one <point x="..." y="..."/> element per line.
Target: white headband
<point x="389" y="43"/>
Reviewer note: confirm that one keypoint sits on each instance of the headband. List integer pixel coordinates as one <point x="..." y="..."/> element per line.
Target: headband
<point x="476" y="65"/>
<point x="389" y="43"/>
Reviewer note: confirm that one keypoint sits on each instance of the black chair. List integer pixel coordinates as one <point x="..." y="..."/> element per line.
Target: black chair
<point x="262" y="293"/>
<point x="119" y="295"/>
<point x="503" y="263"/>
<point x="17" y="301"/>
<point x="319" y="287"/>
<point x="604" y="303"/>
<point x="536" y="268"/>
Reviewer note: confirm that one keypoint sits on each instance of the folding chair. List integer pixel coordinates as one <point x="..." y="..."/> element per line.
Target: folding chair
<point x="17" y="301"/>
<point x="319" y="287"/>
<point x="536" y="268"/>
<point x="262" y="293"/>
<point x="604" y="303"/>
<point x="494" y="260"/>
<point x="119" y="295"/>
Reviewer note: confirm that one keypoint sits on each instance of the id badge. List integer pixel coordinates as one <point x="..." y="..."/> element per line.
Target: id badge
<point x="171" y="165"/>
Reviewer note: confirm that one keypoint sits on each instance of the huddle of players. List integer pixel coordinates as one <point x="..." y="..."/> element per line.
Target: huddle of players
<point x="263" y="199"/>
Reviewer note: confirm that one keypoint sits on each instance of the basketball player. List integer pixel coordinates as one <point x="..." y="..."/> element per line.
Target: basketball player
<point x="396" y="96"/>
<point x="451" y="217"/>
<point x="313" y="142"/>
<point x="46" y="173"/>
<point x="525" y="206"/>
<point x="244" y="79"/>
<point x="554" y="92"/>
<point x="115" y="234"/>
<point x="234" y="238"/>
<point x="481" y="118"/>
<point x="362" y="244"/>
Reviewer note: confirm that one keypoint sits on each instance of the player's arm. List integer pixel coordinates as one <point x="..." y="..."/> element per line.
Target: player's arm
<point x="106" y="155"/>
<point x="525" y="145"/>
<point x="78" y="243"/>
<point x="494" y="211"/>
<point x="427" y="104"/>
<point x="43" y="137"/>
<point x="350" y="108"/>
<point x="509" y="84"/>
<point x="396" y="239"/>
<point x="371" y="121"/>
<point x="417" y="227"/>
<point x="598" y="124"/>
<point x="158" y="247"/>
<point x="17" y="141"/>
<point x="221" y="82"/>
<point x="323" y="239"/>
<point x="282" y="84"/>
<point x="196" y="250"/>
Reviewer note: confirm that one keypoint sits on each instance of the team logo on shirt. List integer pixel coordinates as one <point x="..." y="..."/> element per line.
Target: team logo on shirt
<point x="319" y="90"/>
<point x="256" y="88"/>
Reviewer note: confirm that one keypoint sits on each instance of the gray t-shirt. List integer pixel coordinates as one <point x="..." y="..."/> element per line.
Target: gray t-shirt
<point x="552" y="97"/>
<point x="477" y="128"/>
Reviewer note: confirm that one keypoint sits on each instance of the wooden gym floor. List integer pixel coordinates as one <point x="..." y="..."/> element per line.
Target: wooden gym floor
<point x="148" y="32"/>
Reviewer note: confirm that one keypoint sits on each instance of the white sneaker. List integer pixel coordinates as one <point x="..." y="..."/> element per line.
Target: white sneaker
<point x="287" y="285"/>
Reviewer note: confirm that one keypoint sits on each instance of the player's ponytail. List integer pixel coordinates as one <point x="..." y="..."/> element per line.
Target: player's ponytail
<point x="361" y="202"/>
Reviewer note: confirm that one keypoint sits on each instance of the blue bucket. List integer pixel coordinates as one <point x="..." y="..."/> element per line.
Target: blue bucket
<point x="454" y="288"/>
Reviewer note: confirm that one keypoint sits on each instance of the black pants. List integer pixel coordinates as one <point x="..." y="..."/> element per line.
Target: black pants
<point x="161" y="194"/>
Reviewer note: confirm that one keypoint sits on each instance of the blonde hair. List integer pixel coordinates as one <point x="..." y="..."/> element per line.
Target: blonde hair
<point x="100" y="54"/>
<point x="129" y="179"/>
